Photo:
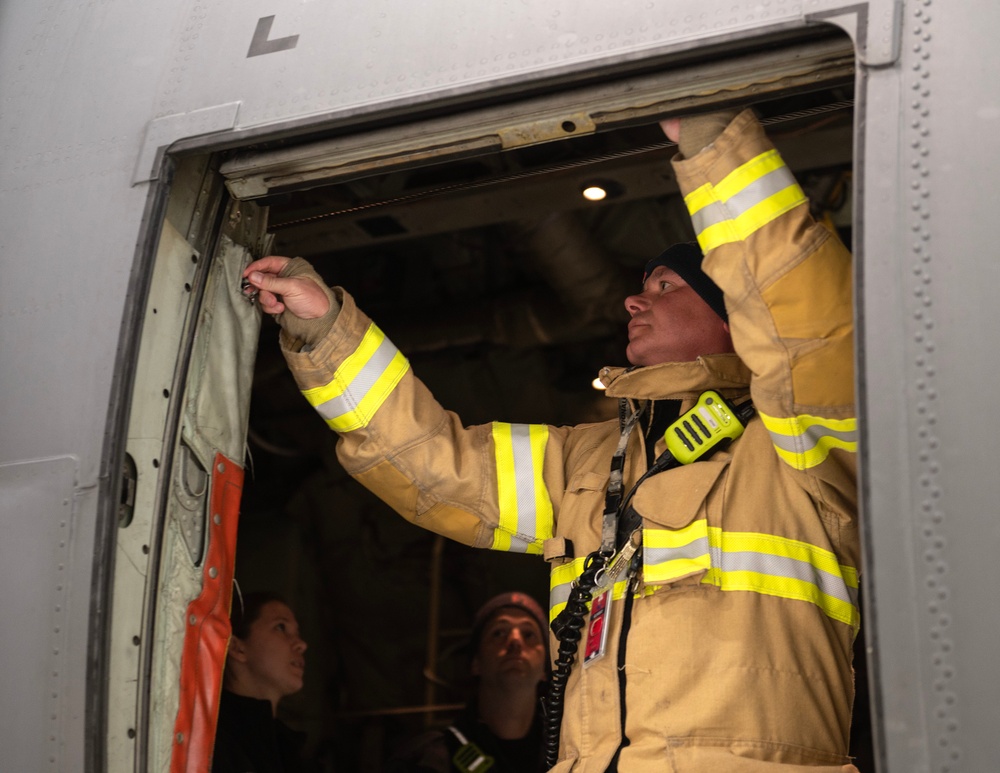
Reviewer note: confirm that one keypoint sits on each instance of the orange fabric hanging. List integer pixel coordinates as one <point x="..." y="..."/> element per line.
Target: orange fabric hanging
<point x="208" y="629"/>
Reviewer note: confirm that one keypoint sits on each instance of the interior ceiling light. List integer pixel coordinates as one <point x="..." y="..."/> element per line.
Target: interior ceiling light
<point x="598" y="190"/>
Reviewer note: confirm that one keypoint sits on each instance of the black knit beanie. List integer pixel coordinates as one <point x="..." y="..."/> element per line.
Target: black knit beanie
<point x="685" y="258"/>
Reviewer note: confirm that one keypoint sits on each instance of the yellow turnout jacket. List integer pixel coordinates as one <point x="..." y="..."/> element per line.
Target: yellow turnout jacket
<point x="738" y="651"/>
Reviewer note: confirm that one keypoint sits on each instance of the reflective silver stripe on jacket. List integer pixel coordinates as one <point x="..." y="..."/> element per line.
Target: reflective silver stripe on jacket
<point x="524" y="504"/>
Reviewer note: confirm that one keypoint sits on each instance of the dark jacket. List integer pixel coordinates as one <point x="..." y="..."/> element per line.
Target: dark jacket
<point x="250" y="740"/>
<point x="435" y="751"/>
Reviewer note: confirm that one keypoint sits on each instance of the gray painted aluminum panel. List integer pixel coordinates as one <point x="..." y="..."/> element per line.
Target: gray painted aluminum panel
<point x="386" y="54"/>
<point x="38" y="522"/>
<point x="758" y="74"/>
<point x="930" y="168"/>
<point x="77" y="91"/>
<point x="306" y="72"/>
<point x="91" y="95"/>
<point x="439" y="49"/>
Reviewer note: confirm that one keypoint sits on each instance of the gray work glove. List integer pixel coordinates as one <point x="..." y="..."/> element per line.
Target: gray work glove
<point x="307" y="331"/>
<point x="700" y="131"/>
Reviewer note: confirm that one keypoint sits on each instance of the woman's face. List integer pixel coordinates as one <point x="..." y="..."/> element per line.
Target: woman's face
<point x="273" y="653"/>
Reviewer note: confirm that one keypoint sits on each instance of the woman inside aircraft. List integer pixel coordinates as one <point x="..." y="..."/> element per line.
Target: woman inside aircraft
<point x="266" y="662"/>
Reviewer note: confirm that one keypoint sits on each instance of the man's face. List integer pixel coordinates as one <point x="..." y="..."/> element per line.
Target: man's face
<point x="511" y="649"/>
<point x="671" y="322"/>
<point x="273" y="653"/>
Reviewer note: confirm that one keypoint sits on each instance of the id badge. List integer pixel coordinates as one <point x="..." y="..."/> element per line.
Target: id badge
<point x="597" y="631"/>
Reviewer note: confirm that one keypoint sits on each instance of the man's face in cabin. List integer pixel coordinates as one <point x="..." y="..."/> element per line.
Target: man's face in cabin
<point x="511" y="648"/>
<point x="672" y="323"/>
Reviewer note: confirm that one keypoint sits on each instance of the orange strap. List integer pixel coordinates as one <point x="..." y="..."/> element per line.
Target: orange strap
<point x="207" y="636"/>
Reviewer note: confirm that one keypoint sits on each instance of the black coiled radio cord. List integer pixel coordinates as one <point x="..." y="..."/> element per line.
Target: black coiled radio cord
<point x="566" y="628"/>
<point x="567" y="625"/>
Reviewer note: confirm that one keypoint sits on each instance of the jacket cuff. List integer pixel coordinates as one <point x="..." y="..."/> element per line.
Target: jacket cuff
<point x="693" y="172"/>
<point x="314" y="365"/>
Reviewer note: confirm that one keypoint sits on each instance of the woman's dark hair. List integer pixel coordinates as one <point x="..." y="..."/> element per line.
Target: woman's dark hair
<point x="246" y="609"/>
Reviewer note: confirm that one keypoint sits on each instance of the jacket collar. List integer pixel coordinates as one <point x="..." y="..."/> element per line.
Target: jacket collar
<point x="725" y="373"/>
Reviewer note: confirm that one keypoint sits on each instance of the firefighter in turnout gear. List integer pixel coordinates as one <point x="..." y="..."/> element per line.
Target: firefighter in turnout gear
<point x="717" y="633"/>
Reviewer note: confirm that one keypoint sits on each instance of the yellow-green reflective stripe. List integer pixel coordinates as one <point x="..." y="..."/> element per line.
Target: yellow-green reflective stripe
<point x="805" y="441"/>
<point x="669" y="554"/>
<point x="742" y="226"/>
<point x="778" y="566"/>
<point x="742" y="177"/>
<point x="734" y="561"/>
<point x="744" y="187"/>
<point x="760" y="563"/>
<point x="747" y="199"/>
<point x="525" y="507"/>
<point x="721" y="224"/>
<point x="561" y="581"/>
<point x="361" y="384"/>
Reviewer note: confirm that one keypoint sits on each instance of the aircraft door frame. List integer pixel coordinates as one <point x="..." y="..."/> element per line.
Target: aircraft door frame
<point x="189" y="410"/>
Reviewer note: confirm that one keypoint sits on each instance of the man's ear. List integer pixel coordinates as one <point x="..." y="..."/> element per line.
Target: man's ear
<point x="237" y="649"/>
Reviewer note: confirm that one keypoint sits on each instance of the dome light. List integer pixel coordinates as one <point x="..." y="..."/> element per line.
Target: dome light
<point x="601" y="189"/>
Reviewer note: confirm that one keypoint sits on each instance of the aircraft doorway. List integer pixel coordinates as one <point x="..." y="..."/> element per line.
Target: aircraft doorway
<point x="503" y="286"/>
<point x="468" y="239"/>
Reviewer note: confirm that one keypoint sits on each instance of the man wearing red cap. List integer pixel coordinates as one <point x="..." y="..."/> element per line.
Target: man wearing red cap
<point x="713" y="604"/>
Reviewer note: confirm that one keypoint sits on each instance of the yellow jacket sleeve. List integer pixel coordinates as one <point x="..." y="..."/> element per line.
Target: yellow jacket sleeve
<point x="787" y="283"/>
